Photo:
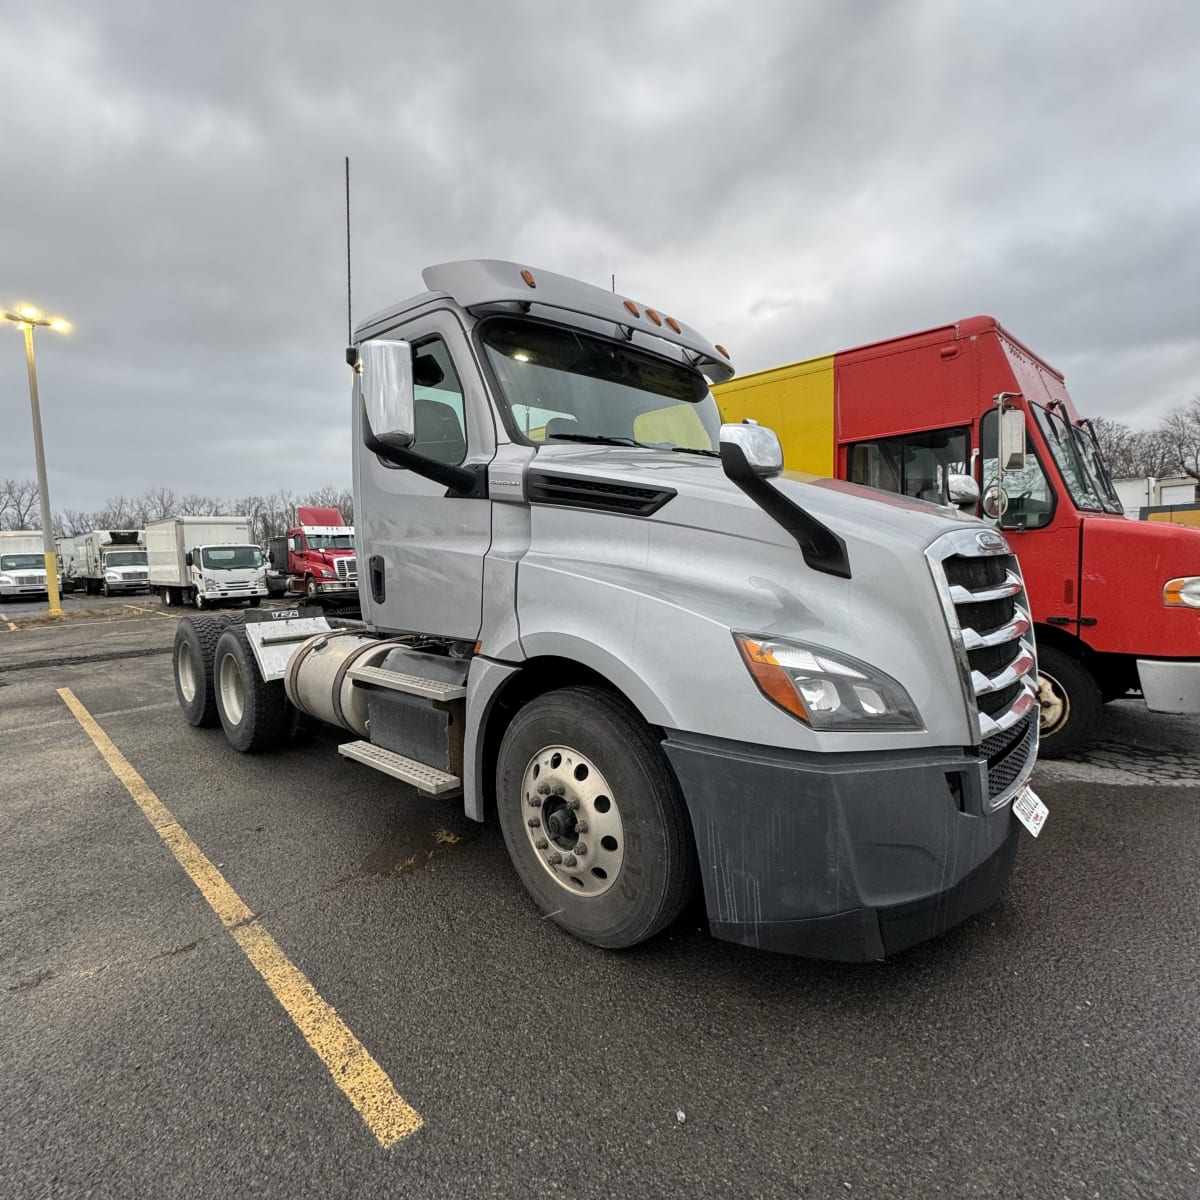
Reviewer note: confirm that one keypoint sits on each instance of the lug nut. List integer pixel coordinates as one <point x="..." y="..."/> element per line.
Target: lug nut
<point x="573" y="804"/>
<point x="555" y="859"/>
<point x="581" y="827"/>
<point x="541" y="843"/>
<point x="535" y="801"/>
<point x="544" y="789"/>
<point x="581" y="848"/>
<point x="569" y="861"/>
<point x="558" y="790"/>
<point x="535" y="823"/>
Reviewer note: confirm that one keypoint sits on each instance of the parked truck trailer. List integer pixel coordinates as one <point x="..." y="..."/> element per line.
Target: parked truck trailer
<point x="591" y="610"/>
<point x="113" y="562"/>
<point x="1115" y="603"/>
<point x="208" y="562"/>
<point x="22" y="564"/>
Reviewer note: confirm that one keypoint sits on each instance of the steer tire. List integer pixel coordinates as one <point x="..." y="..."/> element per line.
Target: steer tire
<point x="192" y="666"/>
<point x="1071" y="704"/>
<point x="636" y="808"/>
<point x="254" y="713"/>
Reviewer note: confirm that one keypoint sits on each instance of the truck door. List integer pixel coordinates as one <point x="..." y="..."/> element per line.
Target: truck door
<point x="421" y="550"/>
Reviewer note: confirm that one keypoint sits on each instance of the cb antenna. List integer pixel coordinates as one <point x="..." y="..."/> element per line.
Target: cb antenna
<point x="351" y="353"/>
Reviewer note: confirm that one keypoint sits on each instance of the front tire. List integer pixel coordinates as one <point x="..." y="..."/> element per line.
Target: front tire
<point x="610" y="857"/>
<point x="255" y="601"/>
<point x="1070" y="704"/>
<point x="311" y="586"/>
<point x="255" y="714"/>
<point x="104" y="590"/>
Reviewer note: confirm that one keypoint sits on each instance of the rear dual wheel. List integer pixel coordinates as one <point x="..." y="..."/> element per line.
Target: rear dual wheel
<point x="593" y="818"/>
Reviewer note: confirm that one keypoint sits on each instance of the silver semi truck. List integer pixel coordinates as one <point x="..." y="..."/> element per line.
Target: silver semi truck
<point x="660" y="662"/>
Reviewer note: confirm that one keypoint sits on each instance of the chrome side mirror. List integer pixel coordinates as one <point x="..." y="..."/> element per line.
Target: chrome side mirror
<point x="385" y="372"/>
<point x="752" y="450"/>
<point x="995" y="502"/>
<point x="963" y="492"/>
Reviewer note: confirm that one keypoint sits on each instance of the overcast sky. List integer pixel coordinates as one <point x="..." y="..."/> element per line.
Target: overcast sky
<point x="792" y="178"/>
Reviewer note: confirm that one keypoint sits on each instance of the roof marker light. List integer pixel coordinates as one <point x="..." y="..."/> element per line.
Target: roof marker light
<point x="529" y="279"/>
<point x="722" y="349"/>
<point x="654" y="316"/>
<point x="633" y="308"/>
<point x="673" y="324"/>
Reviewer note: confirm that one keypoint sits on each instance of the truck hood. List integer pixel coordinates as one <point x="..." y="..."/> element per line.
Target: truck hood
<point x="1125" y="566"/>
<point x="693" y="558"/>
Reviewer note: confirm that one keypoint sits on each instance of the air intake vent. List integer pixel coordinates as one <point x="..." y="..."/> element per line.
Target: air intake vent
<point x="599" y="494"/>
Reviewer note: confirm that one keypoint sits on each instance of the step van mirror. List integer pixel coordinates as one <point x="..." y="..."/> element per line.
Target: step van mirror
<point x="1012" y="439"/>
<point x="386" y="387"/>
<point x="963" y="492"/>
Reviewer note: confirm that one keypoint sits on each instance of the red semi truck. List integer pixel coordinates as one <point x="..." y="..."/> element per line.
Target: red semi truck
<point x="315" y="556"/>
<point x="1115" y="603"/>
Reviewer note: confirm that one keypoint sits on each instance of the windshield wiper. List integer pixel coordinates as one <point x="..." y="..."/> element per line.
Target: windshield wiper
<point x="693" y="450"/>
<point x="598" y="438"/>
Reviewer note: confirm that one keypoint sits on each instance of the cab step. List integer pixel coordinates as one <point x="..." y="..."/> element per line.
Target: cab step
<point x="424" y="778"/>
<point x="412" y="685"/>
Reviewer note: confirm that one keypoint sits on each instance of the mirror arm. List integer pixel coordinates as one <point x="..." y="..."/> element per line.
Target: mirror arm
<point x="462" y="482"/>
<point x="823" y="549"/>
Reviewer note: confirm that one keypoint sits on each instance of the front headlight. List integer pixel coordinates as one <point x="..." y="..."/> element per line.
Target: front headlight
<point x="825" y="690"/>
<point x="1182" y="593"/>
<point x="112" y="576"/>
<point x="6" y="581"/>
<point x="326" y="573"/>
<point x="210" y="583"/>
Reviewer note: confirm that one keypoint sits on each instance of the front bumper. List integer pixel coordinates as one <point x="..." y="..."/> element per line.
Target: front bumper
<point x="128" y="585"/>
<point x="242" y="594"/>
<point x="836" y="856"/>
<point x="1170" y="685"/>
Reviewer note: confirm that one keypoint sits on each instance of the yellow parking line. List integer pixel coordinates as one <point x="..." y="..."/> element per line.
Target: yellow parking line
<point x="366" y="1085"/>
<point x="11" y="626"/>
<point x="154" y="612"/>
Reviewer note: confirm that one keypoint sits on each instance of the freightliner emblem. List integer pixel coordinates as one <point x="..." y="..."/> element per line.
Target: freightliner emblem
<point x="991" y="543"/>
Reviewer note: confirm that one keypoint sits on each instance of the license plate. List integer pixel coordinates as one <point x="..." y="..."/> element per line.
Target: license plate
<point x="1030" y="811"/>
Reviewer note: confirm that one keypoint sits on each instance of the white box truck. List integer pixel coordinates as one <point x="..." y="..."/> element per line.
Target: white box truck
<point x="72" y="562"/>
<point x="22" y="563"/>
<point x="208" y="562"/>
<point x="114" y="561"/>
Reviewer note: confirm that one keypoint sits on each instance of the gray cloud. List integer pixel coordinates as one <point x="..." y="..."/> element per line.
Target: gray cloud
<point x="792" y="179"/>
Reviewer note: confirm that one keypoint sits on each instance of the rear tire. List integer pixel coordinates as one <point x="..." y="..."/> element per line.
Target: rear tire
<point x="255" y="714"/>
<point x="1070" y="702"/>
<point x="637" y="869"/>
<point x="164" y="597"/>
<point x="192" y="664"/>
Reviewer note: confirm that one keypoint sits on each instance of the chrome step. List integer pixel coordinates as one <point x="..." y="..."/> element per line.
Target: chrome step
<point x="424" y="778"/>
<point x="413" y="685"/>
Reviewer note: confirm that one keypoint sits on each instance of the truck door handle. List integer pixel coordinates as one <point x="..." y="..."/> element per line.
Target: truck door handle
<point x="375" y="566"/>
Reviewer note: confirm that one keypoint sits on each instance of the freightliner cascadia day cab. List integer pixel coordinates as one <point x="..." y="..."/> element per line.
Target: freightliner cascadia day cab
<point x="316" y="556"/>
<point x="1115" y="603"/>
<point x="22" y="564"/>
<point x="608" y="620"/>
<point x="208" y="562"/>
<point x="113" y="561"/>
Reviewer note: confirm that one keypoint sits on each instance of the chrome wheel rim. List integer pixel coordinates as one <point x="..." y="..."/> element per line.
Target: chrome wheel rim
<point x="186" y="670"/>
<point x="572" y="821"/>
<point x="233" y="693"/>
<point x="1053" y="703"/>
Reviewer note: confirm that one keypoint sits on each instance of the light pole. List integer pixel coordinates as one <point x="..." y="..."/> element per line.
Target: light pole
<point x="25" y="318"/>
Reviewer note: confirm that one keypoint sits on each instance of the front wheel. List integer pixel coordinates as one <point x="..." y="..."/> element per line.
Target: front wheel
<point x="201" y="603"/>
<point x="104" y="589"/>
<point x="255" y="601"/>
<point x="311" y="586"/>
<point x="1070" y="703"/>
<point x="593" y="818"/>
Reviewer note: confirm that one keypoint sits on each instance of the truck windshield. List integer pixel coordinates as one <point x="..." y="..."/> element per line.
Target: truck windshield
<point x="1079" y="463"/>
<point x="229" y="558"/>
<point x="22" y="562"/>
<point x="125" y="558"/>
<point x="561" y="383"/>
<point x="330" y="541"/>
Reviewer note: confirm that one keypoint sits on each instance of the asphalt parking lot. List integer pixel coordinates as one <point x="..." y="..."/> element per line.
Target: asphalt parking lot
<point x="1048" y="1048"/>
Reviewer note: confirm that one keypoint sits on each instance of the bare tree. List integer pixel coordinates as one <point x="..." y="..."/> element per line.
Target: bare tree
<point x="157" y="504"/>
<point x="19" y="504"/>
<point x="1182" y="430"/>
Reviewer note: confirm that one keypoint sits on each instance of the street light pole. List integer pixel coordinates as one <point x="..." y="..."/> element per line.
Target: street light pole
<point x="26" y="318"/>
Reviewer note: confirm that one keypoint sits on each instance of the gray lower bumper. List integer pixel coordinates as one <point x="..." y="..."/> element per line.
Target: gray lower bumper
<point x="1170" y="686"/>
<point x="850" y="857"/>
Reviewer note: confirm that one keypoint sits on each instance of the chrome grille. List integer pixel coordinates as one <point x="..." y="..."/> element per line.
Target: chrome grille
<point x="28" y="580"/>
<point x="983" y="596"/>
<point x="347" y="567"/>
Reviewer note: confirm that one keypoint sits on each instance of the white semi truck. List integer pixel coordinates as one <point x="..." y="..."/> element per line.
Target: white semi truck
<point x="208" y="562"/>
<point x="662" y="663"/>
<point x="111" y="561"/>
<point x="22" y="564"/>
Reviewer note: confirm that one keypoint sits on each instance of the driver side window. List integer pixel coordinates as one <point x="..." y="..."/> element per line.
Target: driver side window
<point x="1030" y="497"/>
